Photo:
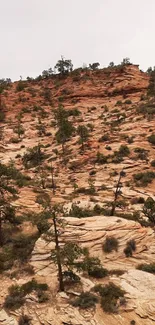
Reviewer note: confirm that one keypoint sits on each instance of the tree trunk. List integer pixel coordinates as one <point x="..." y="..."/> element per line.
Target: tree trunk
<point x="53" y="185"/>
<point x="60" y="274"/>
<point x="1" y="236"/>
<point x="116" y="196"/>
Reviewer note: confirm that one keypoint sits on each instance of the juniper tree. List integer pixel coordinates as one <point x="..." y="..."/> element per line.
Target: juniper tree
<point x="65" y="127"/>
<point x="19" y="127"/>
<point x="149" y="209"/>
<point x="64" y="66"/>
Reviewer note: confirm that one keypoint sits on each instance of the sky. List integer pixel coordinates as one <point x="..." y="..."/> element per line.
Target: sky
<point x="35" y="33"/>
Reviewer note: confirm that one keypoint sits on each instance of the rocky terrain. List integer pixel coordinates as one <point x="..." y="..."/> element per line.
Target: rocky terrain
<point x="113" y="105"/>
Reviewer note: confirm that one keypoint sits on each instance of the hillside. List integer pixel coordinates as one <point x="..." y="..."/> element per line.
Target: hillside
<point x="115" y="152"/>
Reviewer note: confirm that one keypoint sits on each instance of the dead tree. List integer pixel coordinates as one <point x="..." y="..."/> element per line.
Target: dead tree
<point x="117" y="193"/>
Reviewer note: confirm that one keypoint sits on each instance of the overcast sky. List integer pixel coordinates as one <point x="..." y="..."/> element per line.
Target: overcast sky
<point x="35" y="33"/>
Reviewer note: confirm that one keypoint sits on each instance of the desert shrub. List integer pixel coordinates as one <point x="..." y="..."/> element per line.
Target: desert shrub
<point x="92" y="172"/>
<point x="150" y="268"/>
<point x="137" y="200"/>
<point x="69" y="277"/>
<point x="119" y="103"/>
<point x="130" y="248"/>
<point x="117" y="158"/>
<point x="143" y="179"/>
<point x="149" y="209"/>
<point x="93" y="266"/>
<point x="77" y="212"/>
<point x="148" y="109"/>
<point x="104" y="138"/>
<point x="98" y="210"/>
<point x="85" y="300"/>
<point x="21" y="85"/>
<point x="141" y="153"/>
<point x="101" y="159"/>
<point x="116" y="272"/>
<point x="16" y="297"/>
<point x="128" y="102"/>
<point x="11" y="172"/>
<point x="42" y="296"/>
<point x="33" y="157"/>
<point x="98" y="272"/>
<point x="132" y="322"/>
<point x="130" y="139"/>
<point x="2" y="116"/>
<point x="86" y="191"/>
<point x="124" y="150"/>
<point x="24" y="320"/>
<point x="151" y="139"/>
<point x="15" y="140"/>
<point x="22" y="246"/>
<point x="110" y="244"/>
<point x="108" y="148"/>
<point x="110" y="294"/>
<point x="73" y="112"/>
<point x="132" y="244"/>
<point x="153" y="163"/>
<point x="5" y="262"/>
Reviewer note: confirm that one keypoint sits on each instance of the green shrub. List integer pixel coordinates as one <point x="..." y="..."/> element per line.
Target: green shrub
<point x="153" y="163"/>
<point x="74" y="112"/>
<point x="124" y="150"/>
<point x="69" y="277"/>
<point x="98" y="272"/>
<point x="110" y="294"/>
<point x="119" y="103"/>
<point x="77" y="212"/>
<point x="2" y="116"/>
<point x="33" y="157"/>
<point x="143" y="179"/>
<point x="85" y="300"/>
<point x="128" y="102"/>
<point x="149" y="209"/>
<point x="104" y="138"/>
<point x="94" y="268"/>
<point x="16" y="297"/>
<point x="110" y="244"/>
<point x="148" y="109"/>
<point x="141" y="153"/>
<point x="151" y="139"/>
<point x="22" y="246"/>
<point x="101" y="159"/>
<point x="130" y="248"/>
<point x="21" y="85"/>
<point x="150" y="268"/>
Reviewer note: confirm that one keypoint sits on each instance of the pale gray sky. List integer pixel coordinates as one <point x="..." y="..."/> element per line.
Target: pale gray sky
<point x="35" y="33"/>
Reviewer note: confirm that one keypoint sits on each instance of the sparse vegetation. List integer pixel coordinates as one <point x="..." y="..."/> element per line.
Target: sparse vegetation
<point x="150" y="268"/>
<point x="143" y="179"/>
<point x="17" y="294"/>
<point x="110" y="296"/>
<point x="151" y="139"/>
<point x="85" y="300"/>
<point x="110" y="244"/>
<point x="130" y="248"/>
<point x="33" y="157"/>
